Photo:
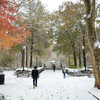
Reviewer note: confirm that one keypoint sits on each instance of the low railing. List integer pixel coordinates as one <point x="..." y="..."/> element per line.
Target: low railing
<point x="90" y="74"/>
<point x="27" y="72"/>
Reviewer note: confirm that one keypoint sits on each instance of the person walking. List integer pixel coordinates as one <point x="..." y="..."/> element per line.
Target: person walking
<point x="54" y="67"/>
<point x="64" y="71"/>
<point x="35" y="75"/>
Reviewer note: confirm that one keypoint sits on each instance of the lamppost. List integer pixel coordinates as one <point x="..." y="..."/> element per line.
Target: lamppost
<point x="84" y="58"/>
<point x="26" y="55"/>
<point x="36" y="60"/>
<point x="83" y="48"/>
<point x="23" y="56"/>
<point x="69" y="60"/>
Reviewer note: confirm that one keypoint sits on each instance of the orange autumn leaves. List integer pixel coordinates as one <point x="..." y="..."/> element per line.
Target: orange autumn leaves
<point x="10" y="35"/>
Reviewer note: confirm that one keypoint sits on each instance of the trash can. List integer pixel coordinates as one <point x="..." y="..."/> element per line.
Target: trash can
<point x="2" y="79"/>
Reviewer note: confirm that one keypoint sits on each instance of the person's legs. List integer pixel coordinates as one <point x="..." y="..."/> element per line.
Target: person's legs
<point x="36" y="82"/>
<point x="64" y="75"/>
<point x="33" y="81"/>
<point x="54" y="69"/>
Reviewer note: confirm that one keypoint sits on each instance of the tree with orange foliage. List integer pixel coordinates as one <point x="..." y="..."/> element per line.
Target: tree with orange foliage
<point x="10" y="35"/>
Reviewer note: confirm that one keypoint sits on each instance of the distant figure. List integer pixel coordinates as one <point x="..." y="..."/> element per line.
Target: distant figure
<point x="89" y="75"/>
<point x="64" y="71"/>
<point x="44" y="65"/>
<point x="35" y="75"/>
<point x="54" y="67"/>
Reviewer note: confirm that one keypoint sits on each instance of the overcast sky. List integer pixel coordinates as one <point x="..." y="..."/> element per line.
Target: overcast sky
<point x="54" y="4"/>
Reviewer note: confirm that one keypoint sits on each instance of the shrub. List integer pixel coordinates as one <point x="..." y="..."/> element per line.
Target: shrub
<point x="6" y="60"/>
<point x="72" y="67"/>
<point x="79" y="66"/>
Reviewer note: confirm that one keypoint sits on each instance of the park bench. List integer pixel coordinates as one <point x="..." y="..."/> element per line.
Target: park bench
<point x="26" y="73"/>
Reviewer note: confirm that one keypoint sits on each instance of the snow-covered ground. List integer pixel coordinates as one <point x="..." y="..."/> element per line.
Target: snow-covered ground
<point x="51" y="86"/>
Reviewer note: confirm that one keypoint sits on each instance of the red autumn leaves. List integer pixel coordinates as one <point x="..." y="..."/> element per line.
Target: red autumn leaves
<point x="9" y="34"/>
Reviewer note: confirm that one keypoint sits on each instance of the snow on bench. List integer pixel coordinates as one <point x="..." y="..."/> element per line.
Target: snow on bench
<point x="27" y="71"/>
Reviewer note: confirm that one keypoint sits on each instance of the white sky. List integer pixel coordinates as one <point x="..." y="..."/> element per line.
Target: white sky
<point x="54" y="4"/>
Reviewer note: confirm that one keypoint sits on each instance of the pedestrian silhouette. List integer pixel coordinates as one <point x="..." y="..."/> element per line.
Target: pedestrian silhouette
<point x="35" y="75"/>
<point x="64" y="71"/>
<point x="54" y="67"/>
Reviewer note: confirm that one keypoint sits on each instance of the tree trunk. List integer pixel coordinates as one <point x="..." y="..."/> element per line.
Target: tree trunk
<point x="74" y="53"/>
<point x="79" y="57"/>
<point x="69" y="60"/>
<point x="21" y="58"/>
<point x="91" y="34"/>
<point x="73" y="47"/>
<point x="36" y="61"/>
<point x="84" y="57"/>
<point x="26" y="56"/>
<point x="31" y="54"/>
<point x="0" y="68"/>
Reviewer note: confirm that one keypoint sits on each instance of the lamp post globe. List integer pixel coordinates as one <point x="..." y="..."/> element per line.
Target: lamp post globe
<point x="83" y="47"/>
<point x="24" y="47"/>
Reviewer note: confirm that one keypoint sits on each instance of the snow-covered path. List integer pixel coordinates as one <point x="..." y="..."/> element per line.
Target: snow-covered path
<point x="51" y="86"/>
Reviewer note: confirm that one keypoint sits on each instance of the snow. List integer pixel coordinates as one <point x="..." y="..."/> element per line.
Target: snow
<point x="97" y="44"/>
<point x="51" y="86"/>
<point x="28" y="69"/>
<point x="89" y="15"/>
<point x="84" y="15"/>
<point x="25" y="68"/>
<point x="72" y="70"/>
<point x="78" y="69"/>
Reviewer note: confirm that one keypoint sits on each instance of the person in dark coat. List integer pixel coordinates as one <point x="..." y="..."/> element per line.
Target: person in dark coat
<point x="35" y="75"/>
<point x="54" y="67"/>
